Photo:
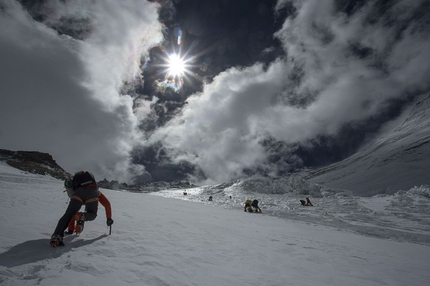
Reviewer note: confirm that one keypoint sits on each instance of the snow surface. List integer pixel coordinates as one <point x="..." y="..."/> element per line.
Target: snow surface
<point x="342" y="240"/>
<point x="397" y="160"/>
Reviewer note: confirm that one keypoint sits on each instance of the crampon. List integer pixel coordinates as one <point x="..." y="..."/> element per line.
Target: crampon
<point x="56" y="240"/>
<point x="80" y="221"/>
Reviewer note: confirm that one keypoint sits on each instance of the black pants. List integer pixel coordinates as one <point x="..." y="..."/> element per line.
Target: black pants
<point x="74" y="206"/>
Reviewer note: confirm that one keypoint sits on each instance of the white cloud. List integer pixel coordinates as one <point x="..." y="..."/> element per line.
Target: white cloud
<point x="222" y="127"/>
<point x="60" y="95"/>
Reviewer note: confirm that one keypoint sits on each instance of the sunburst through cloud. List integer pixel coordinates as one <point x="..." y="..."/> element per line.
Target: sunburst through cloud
<point x="177" y="68"/>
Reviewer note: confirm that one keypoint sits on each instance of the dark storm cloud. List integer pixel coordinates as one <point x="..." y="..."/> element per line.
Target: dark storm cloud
<point x="343" y="67"/>
<point x="263" y="94"/>
<point x="60" y="91"/>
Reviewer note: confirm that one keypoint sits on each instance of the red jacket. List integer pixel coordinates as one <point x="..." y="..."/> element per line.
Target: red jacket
<point x="104" y="201"/>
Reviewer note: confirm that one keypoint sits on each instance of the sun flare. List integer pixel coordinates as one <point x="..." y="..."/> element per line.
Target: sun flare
<point x="177" y="66"/>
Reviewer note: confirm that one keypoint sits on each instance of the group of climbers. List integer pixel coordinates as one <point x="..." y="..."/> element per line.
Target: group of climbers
<point x="251" y="206"/>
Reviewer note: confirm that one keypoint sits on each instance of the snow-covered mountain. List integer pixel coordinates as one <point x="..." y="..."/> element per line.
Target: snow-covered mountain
<point x="397" y="161"/>
<point x="160" y="241"/>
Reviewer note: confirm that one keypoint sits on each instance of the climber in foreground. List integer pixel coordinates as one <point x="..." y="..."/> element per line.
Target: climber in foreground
<point x="85" y="191"/>
<point x="103" y="200"/>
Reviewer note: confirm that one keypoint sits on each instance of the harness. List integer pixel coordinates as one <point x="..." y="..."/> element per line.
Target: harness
<point x="75" y="197"/>
<point x="84" y="202"/>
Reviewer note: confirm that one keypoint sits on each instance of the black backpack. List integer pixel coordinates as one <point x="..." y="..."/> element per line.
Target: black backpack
<point x="82" y="179"/>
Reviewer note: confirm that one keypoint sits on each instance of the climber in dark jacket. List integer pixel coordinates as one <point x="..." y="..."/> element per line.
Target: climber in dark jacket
<point x="85" y="192"/>
<point x="254" y="204"/>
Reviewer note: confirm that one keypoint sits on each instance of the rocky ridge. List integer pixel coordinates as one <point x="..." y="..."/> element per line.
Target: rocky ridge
<point x="33" y="162"/>
<point x="43" y="164"/>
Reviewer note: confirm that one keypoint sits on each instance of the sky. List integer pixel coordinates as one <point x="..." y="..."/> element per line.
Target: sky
<point x="167" y="241"/>
<point x="269" y="89"/>
<point x="61" y="96"/>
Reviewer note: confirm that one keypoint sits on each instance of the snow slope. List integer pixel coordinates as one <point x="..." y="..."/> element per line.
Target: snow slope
<point x="166" y="241"/>
<point x="404" y="216"/>
<point x="397" y="161"/>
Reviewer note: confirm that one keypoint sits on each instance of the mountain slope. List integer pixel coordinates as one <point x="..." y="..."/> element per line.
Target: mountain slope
<point x="159" y="241"/>
<point x="398" y="161"/>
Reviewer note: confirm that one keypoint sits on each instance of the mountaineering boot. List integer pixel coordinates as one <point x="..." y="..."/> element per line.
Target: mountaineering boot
<point x="56" y="240"/>
<point x="80" y="220"/>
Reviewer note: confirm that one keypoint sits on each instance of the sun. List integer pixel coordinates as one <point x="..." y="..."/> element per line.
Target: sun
<point x="178" y="70"/>
<point x="176" y="66"/>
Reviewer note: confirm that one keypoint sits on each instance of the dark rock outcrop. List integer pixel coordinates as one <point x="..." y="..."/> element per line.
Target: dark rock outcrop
<point x="34" y="162"/>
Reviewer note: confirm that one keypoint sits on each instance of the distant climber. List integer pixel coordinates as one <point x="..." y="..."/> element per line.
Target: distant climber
<point x="248" y="206"/>
<point x="210" y="198"/>
<point x="254" y="204"/>
<point x="306" y="203"/>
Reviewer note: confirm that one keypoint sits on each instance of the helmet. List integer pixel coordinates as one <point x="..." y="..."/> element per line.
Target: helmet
<point x="68" y="184"/>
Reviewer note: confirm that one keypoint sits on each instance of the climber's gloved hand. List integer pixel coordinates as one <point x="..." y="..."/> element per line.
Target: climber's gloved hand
<point x="109" y="222"/>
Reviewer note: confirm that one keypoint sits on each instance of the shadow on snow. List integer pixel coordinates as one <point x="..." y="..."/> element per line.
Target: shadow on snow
<point x="36" y="250"/>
